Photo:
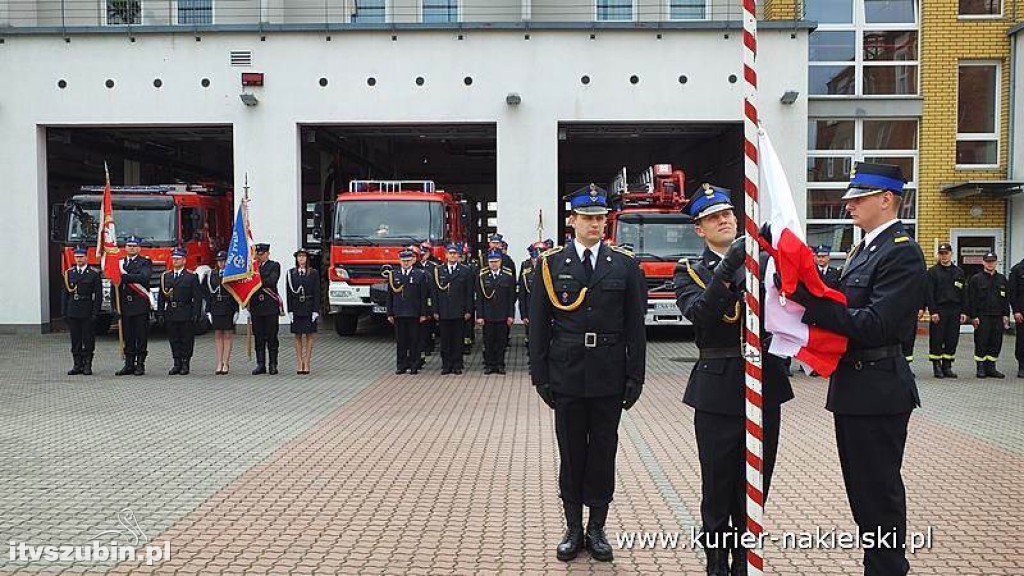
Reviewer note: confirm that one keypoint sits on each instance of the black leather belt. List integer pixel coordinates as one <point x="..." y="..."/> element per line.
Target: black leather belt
<point x="873" y="354"/>
<point x="716" y="353"/>
<point x="589" y="339"/>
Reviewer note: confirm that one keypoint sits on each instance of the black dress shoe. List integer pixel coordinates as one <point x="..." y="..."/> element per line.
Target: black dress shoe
<point x="446" y="371"/>
<point x="399" y="370"/>
<point x="414" y="371"/>
<point x="175" y="370"/>
<point x="500" y="370"/>
<point x="598" y="545"/>
<point x="571" y="544"/>
<point x="185" y="368"/>
<point x="458" y="372"/>
<point x="75" y="371"/>
<point x="272" y="369"/>
<point x="259" y="369"/>
<point x="488" y="370"/>
<point x="1020" y="372"/>
<point x="125" y="370"/>
<point x="87" y="369"/>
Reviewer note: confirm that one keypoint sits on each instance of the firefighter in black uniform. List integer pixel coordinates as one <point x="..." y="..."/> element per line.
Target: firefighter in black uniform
<point x="1016" y="281"/>
<point x="469" y="329"/>
<point x="709" y="293"/>
<point x="588" y="349"/>
<point x="872" y="393"/>
<point x="944" y="297"/>
<point x="497" y="242"/>
<point x="987" y="304"/>
<point x="81" y="300"/>
<point x="451" y="294"/>
<point x="265" y="308"/>
<point x="524" y="287"/>
<point x="829" y="274"/>
<point x="221" y="312"/>
<point x="407" y="309"/>
<point x="496" y="312"/>
<point x="179" y="305"/>
<point x="134" y="305"/>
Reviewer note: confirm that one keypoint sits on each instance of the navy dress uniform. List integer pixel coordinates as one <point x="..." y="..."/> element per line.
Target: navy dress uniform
<point x="265" y="308"/>
<point x="495" y="305"/>
<point x="220" y="305"/>
<point x="944" y="296"/>
<point x="134" y="306"/>
<point x="81" y="300"/>
<point x="987" y="303"/>
<point x="588" y="350"/>
<point x="407" y="306"/>
<point x="1016" y="280"/>
<point x="303" y="294"/>
<point x="179" y="304"/>
<point x="709" y="293"/>
<point x="497" y="241"/>
<point x="469" y="329"/>
<point x="524" y="287"/>
<point x="451" y="295"/>
<point x="872" y="393"/>
<point x="829" y="274"/>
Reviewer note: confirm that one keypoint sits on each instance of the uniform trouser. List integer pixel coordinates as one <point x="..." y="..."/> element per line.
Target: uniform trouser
<point x="1018" y="348"/>
<point x="944" y="336"/>
<point x="427" y="336"/>
<point x="468" y="333"/>
<point x="871" y="454"/>
<point x="588" y="438"/>
<point x="451" y="343"/>
<point x="407" y="340"/>
<point x="988" y="338"/>
<point x="495" y="341"/>
<point x="721" y="448"/>
<point x="182" y="339"/>
<point x="136" y="334"/>
<point x="265" y="329"/>
<point x="83" y="337"/>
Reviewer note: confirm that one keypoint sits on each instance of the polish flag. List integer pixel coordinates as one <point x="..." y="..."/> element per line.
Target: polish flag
<point x="793" y="259"/>
<point x="107" y="251"/>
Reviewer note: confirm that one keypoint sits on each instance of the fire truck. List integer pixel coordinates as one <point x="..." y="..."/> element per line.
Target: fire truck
<point x="196" y="217"/>
<point x="373" y="221"/>
<point x="647" y="217"/>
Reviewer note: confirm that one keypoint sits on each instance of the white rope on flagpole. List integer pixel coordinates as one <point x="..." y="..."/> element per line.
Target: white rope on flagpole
<point x="752" y="350"/>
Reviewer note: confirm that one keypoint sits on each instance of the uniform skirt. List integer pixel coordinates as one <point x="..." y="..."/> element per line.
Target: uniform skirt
<point x="303" y="324"/>
<point x="223" y="322"/>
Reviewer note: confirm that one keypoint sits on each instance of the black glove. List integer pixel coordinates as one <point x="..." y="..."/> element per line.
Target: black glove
<point x="633" y="391"/>
<point x="733" y="260"/>
<point x="801" y="295"/>
<point x="766" y="233"/>
<point x="546" y="395"/>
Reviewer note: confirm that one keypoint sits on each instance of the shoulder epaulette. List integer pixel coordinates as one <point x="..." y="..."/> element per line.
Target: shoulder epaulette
<point x="554" y="250"/>
<point x="485" y="271"/>
<point x="506" y="269"/>
<point x="621" y="250"/>
<point x="901" y="238"/>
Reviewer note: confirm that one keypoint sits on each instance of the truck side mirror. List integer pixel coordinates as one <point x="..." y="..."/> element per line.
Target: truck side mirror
<point x="55" y="213"/>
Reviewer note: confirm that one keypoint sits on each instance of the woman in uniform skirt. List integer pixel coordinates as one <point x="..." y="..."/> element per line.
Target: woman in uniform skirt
<point x="303" y="286"/>
<point x="222" y="312"/>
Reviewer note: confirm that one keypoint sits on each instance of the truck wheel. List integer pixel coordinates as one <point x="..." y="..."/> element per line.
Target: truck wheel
<point x="103" y="324"/>
<point x="346" y="324"/>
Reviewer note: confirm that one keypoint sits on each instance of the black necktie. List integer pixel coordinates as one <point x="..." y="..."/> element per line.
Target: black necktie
<point x="588" y="266"/>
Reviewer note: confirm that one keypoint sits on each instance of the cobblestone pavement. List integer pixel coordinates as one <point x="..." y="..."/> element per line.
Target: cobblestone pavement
<point x="356" y="470"/>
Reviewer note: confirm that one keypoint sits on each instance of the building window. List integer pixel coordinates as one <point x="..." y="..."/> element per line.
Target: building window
<point x="833" y="146"/>
<point x="981" y="7"/>
<point x="687" y="10"/>
<point x="368" y="12"/>
<point x="890" y="11"/>
<point x="195" y="11"/>
<point x="120" y="12"/>
<point x="977" y="122"/>
<point x="440" y="10"/>
<point x="615" y="10"/>
<point x="829" y="11"/>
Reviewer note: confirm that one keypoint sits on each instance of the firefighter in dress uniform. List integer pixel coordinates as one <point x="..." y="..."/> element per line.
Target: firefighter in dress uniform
<point x="987" y="304"/>
<point x="407" y="310"/>
<point x="428" y="332"/>
<point x="469" y="328"/>
<point x="944" y="298"/>
<point x="81" y="300"/>
<point x="588" y="349"/>
<point x="829" y="274"/>
<point x="134" y="306"/>
<point x="221" y="312"/>
<point x="709" y="293"/>
<point x="495" y="305"/>
<point x="451" y="295"/>
<point x="179" y="305"/>
<point x="303" y="285"/>
<point x="1016" y="280"/>
<point x="265" y="309"/>
<point x="527" y="269"/>
<point x="872" y="393"/>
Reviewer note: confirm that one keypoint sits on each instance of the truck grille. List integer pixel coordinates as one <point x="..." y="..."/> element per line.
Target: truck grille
<point x="363" y="271"/>
<point x="658" y="285"/>
<point x="154" y="279"/>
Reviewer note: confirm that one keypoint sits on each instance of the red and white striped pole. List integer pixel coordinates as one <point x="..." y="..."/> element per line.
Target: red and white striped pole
<point x="752" y="334"/>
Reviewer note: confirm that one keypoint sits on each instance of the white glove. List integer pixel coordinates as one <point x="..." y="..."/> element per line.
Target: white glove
<point x="315" y="316"/>
<point x="291" y="317"/>
<point x="234" y="319"/>
<point x="121" y="264"/>
<point x="209" y="317"/>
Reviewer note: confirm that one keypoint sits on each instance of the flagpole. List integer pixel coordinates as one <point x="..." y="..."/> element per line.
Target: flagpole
<point x="752" y="348"/>
<point x="248" y="315"/>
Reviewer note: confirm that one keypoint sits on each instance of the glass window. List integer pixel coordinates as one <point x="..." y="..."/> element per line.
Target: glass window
<point x="835" y="169"/>
<point x="890" y="11"/>
<point x="124" y="12"/>
<point x="369" y="12"/>
<point x="832" y="80"/>
<point x="976" y="99"/>
<point x="440" y="10"/>
<point x="614" y="9"/>
<point x="892" y="80"/>
<point x="833" y="46"/>
<point x="826" y="204"/>
<point x="981" y="7"/>
<point x="195" y="11"/>
<point x="838" y="236"/>
<point x="908" y="208"/>
<point x="890" y="135"/>
<point x="830" y="135"/>
<point x="687" y="10"/>
<point x="891" y="45"/>
<point x="977" y="152"/>
<point x="905" y="163"/>
<point x="829" y="11"/>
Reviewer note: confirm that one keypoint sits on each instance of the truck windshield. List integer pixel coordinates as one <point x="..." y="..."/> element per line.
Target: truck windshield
<point x="388" y="222"/>
<point x="152" y="220"/>
<point x="659" y="236"/>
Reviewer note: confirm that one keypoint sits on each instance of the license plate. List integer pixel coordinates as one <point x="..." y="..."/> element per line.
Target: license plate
<point x="379" y="309"/>
<point x="666" y="306"/>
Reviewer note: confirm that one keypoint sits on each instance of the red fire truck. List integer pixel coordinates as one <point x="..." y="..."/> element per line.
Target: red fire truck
<point x="196" y="217"/>
<point x="373" y="221"/>
<point x="647" y="217"/>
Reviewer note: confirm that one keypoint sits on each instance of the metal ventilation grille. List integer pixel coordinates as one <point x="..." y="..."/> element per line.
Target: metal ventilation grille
<point x="241" y="58"/>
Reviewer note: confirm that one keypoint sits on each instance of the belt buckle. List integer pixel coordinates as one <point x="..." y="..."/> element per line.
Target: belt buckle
<point x="302" y="298"/>
<point x="590" y="339"/>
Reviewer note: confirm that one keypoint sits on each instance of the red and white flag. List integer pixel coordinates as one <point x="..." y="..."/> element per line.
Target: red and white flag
<point x="107" y="251"/>
<point x="793" y="259"/>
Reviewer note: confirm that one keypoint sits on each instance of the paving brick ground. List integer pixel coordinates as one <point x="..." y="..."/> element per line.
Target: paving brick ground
<point x="355" y="470"/>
